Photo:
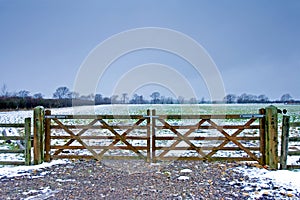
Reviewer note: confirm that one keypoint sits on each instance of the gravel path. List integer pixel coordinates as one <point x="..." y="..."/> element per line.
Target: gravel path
<point x="128" y="180"/>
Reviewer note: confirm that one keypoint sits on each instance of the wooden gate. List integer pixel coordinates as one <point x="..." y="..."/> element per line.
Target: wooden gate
<point x="90" y="136"/>
<point x="156" y="137"/>
<point x="208" y="137"/>
<point x="26" y="138"/>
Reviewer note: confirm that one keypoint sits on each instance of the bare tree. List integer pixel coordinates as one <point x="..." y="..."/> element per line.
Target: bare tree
<point x="62" y="93"/>
<point x="38" y="96"/>
<point x="4" y="92"/>
<point x="124" y="97"/>
<point x="23" y="93"/>
<point x="155" y="97"/>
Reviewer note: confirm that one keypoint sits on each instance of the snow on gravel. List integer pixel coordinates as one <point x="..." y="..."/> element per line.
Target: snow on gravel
<point x="23" y="170"/>
<point x="271" y="183"/>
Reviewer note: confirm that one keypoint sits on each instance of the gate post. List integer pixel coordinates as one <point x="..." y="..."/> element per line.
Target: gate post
<point x="284" y="141"/>
<point x="271" y="137"/>
<point x="27" y="141"/>
<point x="38" y="134"/>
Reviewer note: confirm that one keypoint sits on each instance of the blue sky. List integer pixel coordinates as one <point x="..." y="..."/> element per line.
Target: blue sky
<point x="254" y="44"/>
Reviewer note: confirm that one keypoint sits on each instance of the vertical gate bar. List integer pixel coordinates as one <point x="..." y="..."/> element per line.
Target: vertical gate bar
<point x="148" y="137"/>
<point x="262" y="134"/>
<point x="153" y="121"/>
<point x="284" y="141"/>
<point x="47" y="136"/>
<point x="27" y="141"/>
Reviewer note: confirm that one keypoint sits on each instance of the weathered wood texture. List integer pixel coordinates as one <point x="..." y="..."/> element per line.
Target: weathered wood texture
<point x="285" y="142"/>
<point x="26" y="138"/>
<point x="271" y="137"/>
<point x="38" y="134"/>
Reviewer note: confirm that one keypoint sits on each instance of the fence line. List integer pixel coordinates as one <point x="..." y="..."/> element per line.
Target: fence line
<point x="285" y="140"/>
<point x="27" y="143"/>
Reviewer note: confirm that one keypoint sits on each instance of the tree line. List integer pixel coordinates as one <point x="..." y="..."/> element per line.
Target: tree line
<point x="63" y="97"/>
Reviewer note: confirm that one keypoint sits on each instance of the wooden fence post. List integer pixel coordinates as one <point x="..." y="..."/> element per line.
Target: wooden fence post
<point x="38" y="134"/>
<point x="284" y="141"/>
<point x="262" y="134"/>
<point x="271" y="140"/>
<point x="47" y="136"/>
<point x="27" y="141"/>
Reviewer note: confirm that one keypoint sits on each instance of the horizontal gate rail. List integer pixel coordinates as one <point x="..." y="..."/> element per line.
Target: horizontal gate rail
<point x="26" y="138"/>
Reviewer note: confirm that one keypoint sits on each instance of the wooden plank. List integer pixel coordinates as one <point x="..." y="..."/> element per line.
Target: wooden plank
<point x="207" y="138"/>
<point x="99" y="137"/>
<point x="262" y="133"/>
<point x="47" y="136"/>
<point x="94" y="116"/>
<point x="12" y="163"/>
<point x="153" y="137"/>
<point x="294" y="124"/>
<point x="17" y="125"/>
<point x="294" y="153"/>
<point x="207" y="148"/>
<point x="284" y="142"/>
<point x="209" y="127"/>
<point x="99" y="147"/>
<point x="170" y="158"/>
<point x="27" y="140"/>
<point x="97" y="127"/>
<point x="148" y="137"/>
<point x="11" y="137"/>
<point x="293" y="167"/>
<point x="11" y="151"/>
<point x="167" y="117"/>
<point x="294" y="139"/>
<point x="89" y="157"/>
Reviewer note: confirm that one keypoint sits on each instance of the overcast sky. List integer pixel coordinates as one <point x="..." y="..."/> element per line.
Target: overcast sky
<point x="254" y="44"/>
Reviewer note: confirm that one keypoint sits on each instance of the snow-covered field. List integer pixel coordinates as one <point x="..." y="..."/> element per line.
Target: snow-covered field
<point x="287" y="182"/>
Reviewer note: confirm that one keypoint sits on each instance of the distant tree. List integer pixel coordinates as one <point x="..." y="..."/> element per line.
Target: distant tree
<point x="286" y="98"/>
<point x="4" y="91"/>
<point x="89" y="97"/>
<point x="124" y="97"/>
<point x="114" y="99"/>
<point x="23" y="94"/>
<point x="98" y="99"/>
<point x="230" y="98"/>
<point x="75" y="95"/>
<point x="155" y="97"/>
<point x="180" y="100"/>
<point x="193" y="100"/>
<point x="38" y="96"/>
<point x="262" y="98"/>
<point x="62" y="93"/>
